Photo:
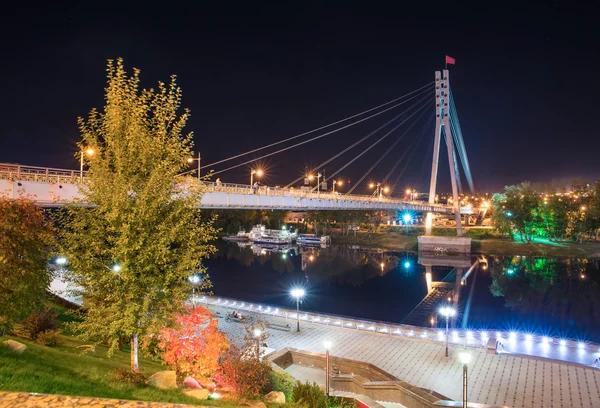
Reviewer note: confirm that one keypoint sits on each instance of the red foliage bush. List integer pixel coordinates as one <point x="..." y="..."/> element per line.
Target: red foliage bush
<point x="194" y="346"/>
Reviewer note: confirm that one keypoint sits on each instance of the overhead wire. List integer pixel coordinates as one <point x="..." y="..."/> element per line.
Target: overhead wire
<point x="375" y="143"/>
<point x="423" y="131"/>
<point x="364" y="176"/>
<point x="411" y="153"/>
<point x="320" y="128"/>
<point x="314" y="138"/>
<point x="358" y="142"/>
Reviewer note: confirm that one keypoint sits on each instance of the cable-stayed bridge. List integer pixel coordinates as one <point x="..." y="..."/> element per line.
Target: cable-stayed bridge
<point x="56" y="187"/>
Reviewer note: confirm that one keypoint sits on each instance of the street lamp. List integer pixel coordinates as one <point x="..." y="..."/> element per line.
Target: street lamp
<point x="192" y="159"/>
<point x="338" y="182"/>
<point x="116" y="268"/>
<point x="257" y="333"/>
<point x="61" y="260"/>
<point x="409" y="193"/>
<point x="89" y="152"/>
<point x="258" y="173"/>
<point x="327" y="345"/>
<point x="465" y="358"/>
<point x="298" y="293"/>
<point x="447" y="312"/>
<point x="194" y="280"/>
<point x="379" y="189"/>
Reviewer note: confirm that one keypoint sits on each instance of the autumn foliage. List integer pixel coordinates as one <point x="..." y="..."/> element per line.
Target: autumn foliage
<point x="195" y="345"/>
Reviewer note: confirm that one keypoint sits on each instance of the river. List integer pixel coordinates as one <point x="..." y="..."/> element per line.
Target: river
<point x="557" y="297"/>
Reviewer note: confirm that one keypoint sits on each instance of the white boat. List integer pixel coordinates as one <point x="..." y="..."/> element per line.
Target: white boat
<point x="241" y="236"/>
<point x="312" y="239"/>
<point x="261" y="235"/>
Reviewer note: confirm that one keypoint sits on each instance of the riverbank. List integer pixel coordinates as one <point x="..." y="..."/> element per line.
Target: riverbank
<point x="407" y="241"/>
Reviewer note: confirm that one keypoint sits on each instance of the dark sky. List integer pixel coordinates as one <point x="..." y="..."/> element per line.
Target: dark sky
<point x="525" y="81"/>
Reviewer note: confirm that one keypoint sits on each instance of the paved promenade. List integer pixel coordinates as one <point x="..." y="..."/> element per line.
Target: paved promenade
<point x="503" y="379"/>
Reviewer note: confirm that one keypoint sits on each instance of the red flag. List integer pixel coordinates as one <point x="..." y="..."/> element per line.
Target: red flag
<point x="450" y="60"/>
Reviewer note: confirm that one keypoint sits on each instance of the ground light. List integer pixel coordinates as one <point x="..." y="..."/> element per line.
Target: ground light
<point x="407" y="218"/>
<point x="406" y="264"/>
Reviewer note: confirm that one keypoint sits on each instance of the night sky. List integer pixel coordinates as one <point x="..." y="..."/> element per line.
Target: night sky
<point x="525" y="82"/>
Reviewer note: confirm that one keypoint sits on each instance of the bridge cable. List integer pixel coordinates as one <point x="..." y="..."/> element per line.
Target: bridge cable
<point x="358" y="142"/>
<point x="314" y="138"/>
<point x="422" y="133"/>
<point x="375" y="143"/>
<point x="460" y="142"/>
<point x="428" y="153"/>
<point x="385" y="154"/>
<point x="410" y="156"/>
<point x="320" y="128"/>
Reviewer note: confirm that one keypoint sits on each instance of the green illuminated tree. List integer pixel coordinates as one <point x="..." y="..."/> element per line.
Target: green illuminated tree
<point x="133" y="251"/>
<point x="522" y="207"/>
<point x="26" y="241"/>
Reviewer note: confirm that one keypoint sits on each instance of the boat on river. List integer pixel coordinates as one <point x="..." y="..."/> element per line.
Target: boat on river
<point x="242" y="236"/>
<point x="261" y="235"/>
<point x="313" y="239"/>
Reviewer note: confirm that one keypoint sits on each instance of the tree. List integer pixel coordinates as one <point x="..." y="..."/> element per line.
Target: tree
<point x="133" y="251"/>
<point x="522" y="207"/>
<point x="500" y="218"/>
<point x="194" y="346"/>
<point x="26" y="241"/>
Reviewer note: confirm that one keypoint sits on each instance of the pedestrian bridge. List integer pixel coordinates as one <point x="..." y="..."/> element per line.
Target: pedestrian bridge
<point x="51" y="187"/>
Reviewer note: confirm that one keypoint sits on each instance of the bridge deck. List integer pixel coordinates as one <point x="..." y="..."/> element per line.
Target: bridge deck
<point x="56" y="187"/>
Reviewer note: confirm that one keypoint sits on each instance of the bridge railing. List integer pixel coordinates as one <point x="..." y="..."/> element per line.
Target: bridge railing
<point x="18" y="172"/>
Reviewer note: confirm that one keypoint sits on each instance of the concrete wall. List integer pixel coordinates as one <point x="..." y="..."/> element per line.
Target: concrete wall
<point x="434" y="244"/>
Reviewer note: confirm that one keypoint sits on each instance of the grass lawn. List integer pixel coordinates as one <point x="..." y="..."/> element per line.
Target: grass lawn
<point x="67" y="370"/>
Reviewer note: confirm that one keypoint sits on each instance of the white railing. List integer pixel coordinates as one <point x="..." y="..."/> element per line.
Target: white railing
<point x="463" y="337"/>
<point x="17" y="172"/>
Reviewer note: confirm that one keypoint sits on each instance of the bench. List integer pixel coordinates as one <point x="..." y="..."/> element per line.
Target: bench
<point x="282" y="327"/>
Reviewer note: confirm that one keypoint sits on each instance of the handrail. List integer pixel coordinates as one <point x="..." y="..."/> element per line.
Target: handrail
<point x="17" y="172"/>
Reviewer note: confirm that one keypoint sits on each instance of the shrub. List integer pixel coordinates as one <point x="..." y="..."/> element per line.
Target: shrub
<point x="50" y="338"/>
<point x="310" y="395"/>
<point x="194" y="345"/>
<point x="242" y="376"/>
<point x="36" y="323"/>
<point x="283" y="382"/>
<point x="125" y="375"/>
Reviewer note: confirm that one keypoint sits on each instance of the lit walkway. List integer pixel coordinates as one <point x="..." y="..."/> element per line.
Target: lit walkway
<point x="493" y="379"/>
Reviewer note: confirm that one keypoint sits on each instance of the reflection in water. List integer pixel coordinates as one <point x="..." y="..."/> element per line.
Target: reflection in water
<point x="557" y="297"/>
<point x="560" y="294"/>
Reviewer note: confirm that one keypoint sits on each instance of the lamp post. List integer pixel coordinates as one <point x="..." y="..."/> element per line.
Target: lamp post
<point x="257" y="333"/>
<point x="195" y="280"/>
<point x="327" y="345"/>
<point x="89" y="152"/>
<point x="447" y="312"/>
<point x="379" y="189"/>
<point x="465" y="358"/>
<point x="319" y="175"/>
<point x="338" y="182"/>
<point x="192" y="159"/>
<point x="258" y="173"/>
<point x="298" y="293"/>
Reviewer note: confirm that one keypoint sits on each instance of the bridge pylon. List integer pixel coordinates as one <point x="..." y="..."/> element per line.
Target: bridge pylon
<point x="443" y="129"/>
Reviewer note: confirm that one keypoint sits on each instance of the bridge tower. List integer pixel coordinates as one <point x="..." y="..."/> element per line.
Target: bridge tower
<point x="443" y="129"/>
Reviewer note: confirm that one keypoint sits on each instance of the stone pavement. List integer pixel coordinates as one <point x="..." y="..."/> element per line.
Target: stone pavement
<point x="27" y="400"/>
<point x="503" y="379"/>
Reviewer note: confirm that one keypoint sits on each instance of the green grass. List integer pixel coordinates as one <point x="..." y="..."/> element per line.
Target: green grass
<point x="67" y="370"/>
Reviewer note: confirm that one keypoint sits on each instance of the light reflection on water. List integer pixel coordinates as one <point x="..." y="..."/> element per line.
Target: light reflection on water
<point x="549" y="296"/>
